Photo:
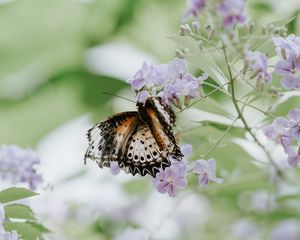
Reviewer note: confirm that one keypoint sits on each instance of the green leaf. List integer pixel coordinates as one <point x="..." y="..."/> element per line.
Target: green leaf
<point x="26" y="230"/>
<point x="236" y="131"/>
<point x="19" y="211"/>
<point x="15" y="193"/>
<point x="39" y="227"/>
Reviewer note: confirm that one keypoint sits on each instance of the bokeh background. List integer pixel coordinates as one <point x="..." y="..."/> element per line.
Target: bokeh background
<point x="57" y="59"/>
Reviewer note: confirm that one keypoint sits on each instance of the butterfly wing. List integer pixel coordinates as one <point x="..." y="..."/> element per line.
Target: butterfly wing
<point x="108" y="139"/>
<point x="143" y="154"/>
<point x="161" y="119"/>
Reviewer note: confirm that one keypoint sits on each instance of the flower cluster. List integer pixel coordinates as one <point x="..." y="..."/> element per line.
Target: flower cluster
<point x="194" y="6"/>
<point x="18" y="165"/>
<point x="175" y="176"/>
<point x="286" y="131"/>
<point x="232" y="12"/>
<point x="168" y="81"/>
<point x="258" y="63"/>
<point x="3" y="234"/>
<point x="289" y="64"/>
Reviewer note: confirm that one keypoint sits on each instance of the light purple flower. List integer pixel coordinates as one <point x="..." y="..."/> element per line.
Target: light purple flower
<point x="285" y="131"/>
<point x="171" y="178"/>
<point x="286" y="230"/>
<point x="18" y="165"/>
<point x="194" y="6"/>
<point x="133" y="234"/>
<point x="278" y="132"/>
<point x="258" y="63"/>
<point x="245" y="229"/>
<point x="114" y="168"/>
<point x="187" y="86"/>
<point x="13" y="235"/>
<point x="206" y="171"/>
<point x="175" y="176"/>
<point x="289" y="64"/>
<point x="288" y="46"/>
<point x="232" y="12"/>
<point x="148" y="76"/>
<point x="294" y="119"/>
<point x="290" y="70"/>
<point x="263" y="201"/>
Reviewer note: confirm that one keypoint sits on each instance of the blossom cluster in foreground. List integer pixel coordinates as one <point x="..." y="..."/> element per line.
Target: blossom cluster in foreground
<point x="286" y="131"/>
<point x="168" y="81"/>
<point x="17" y="165"/>
<point x="175" y="176"/>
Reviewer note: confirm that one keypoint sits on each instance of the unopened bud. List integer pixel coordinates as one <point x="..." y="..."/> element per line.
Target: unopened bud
<point x="196" y="27"/>
<point x="186" y="100"/>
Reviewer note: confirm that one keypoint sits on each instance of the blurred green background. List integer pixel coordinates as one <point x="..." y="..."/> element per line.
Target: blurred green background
<point x="57" y="57"/>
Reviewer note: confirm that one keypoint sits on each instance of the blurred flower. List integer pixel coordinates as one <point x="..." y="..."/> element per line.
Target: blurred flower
<point x="114" y="168"/>
<point x="289" y="64"/>
<point x="133" y="234"/>
<point x="245" y="229"/>
<point x="258" y="63"/>
<point x="206" y="171"/>
<point x="286" y="230"/>
<point x="18" y="165"/>
<point x="194" y="6"/>
<point x="13" y="235"/>
<point x="284" y="131"/>
<point x="294" y="119"/>
<point x="232" y="12"/>
<point x="2" y="216"/>
<point x="263" y="201"/>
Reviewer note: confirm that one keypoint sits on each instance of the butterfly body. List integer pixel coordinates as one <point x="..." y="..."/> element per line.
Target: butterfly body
<point x="140" y="141"/>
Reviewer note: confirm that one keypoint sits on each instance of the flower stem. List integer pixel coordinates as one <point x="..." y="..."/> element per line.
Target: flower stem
<point x="240" y="114"/>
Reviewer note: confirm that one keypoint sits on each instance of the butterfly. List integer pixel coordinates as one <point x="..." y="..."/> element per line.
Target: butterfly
<point x="140" y="141"/>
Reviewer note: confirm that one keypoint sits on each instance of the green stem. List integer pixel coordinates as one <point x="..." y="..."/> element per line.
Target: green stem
<point x="240" y="114"/>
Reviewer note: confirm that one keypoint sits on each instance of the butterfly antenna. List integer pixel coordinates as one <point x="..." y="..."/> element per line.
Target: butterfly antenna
<point x="115" y="95"/>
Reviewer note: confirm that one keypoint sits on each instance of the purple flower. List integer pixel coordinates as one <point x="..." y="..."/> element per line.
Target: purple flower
<point x="187" y="86"/>
<point x="289" y="64"/>
<point x="278" y="132"/>
<point x="171" y="178"/>
<point x="294" y="119"/>
<point x="285" y="131"/>
<point x="258" y="63"/>
<point x="232" y="12"/>
<point x="18" y="165"/>
<point x="290" y="70"/>
<point x="286" y="230"/>
<point x="194" y="6"/>
<point x="287" y="47"/>
<point x="133" y="234"/>
<point x="114" y="168"/>
<point x="148" y="76"/>
<point x="206" y="171"/>
<point x="143" y="96"/>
